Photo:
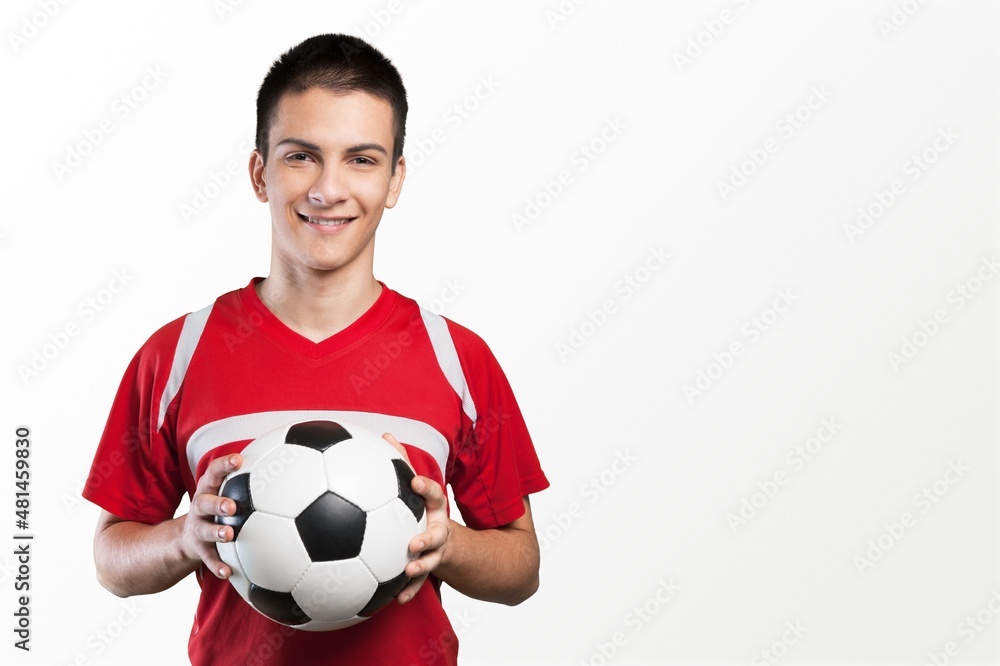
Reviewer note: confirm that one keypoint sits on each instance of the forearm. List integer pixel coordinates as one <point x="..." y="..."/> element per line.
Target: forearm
<point x="134" y="558"/>
<point x="499" y="565"/>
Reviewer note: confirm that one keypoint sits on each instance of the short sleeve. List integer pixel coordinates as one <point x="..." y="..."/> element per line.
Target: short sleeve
<point x="496" y="465"/>
<point x="135" y="473"/>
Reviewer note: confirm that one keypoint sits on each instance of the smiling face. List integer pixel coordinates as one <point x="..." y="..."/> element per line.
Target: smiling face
<point x="327" y="179"/>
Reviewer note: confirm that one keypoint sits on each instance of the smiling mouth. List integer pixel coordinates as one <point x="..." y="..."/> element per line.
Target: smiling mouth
<point x="326" y="222"/>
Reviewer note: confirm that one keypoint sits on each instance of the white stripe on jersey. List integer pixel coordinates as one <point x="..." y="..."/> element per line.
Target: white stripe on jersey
<point x="447" y="357"/>
<point x="251" y="426"/>
<point x="194" y="326"/>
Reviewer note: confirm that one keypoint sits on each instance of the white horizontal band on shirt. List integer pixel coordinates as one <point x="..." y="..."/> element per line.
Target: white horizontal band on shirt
<point x="251" y="426"/>
<point x="194" y="326"/>
<point x="447" y="358"/>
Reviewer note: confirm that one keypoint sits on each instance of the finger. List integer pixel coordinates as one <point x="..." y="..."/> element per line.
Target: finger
<point x="216" y="473"/>
<point x="437" y="536"/>
<point x="212" y="505"/>
<point x="217" y="533"/>
<point x="411" y="589"/>
<point x="399" y="447"/>
<point x="425" y="564"/>
<point x="205" y="529"/>
<point x="419" y="543"/>
<point x="214" y="563"/>
<point x="430" y="490"/>
<point x="431" y="539"/>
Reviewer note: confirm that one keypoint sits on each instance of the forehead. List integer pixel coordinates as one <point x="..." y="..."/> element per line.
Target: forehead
<point x="323" y="116"/>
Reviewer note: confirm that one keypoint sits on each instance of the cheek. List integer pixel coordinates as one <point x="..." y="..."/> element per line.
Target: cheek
<point x="372" y="192"/>
<point x="283" y="216"/>
<point x="289" y="184"/>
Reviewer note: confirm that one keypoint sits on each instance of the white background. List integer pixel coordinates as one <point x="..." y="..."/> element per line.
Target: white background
<point x="646" y="558"/>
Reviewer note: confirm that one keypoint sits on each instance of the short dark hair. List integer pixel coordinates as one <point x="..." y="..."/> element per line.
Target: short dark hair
<point x="335" y="62"/>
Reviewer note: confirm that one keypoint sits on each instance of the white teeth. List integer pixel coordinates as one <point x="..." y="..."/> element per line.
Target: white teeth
<point x="326" y="223"/>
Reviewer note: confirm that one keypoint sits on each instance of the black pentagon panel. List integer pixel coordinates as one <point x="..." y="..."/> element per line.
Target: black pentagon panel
<point x="237" y="489"/>
<point x="279" y="606"/>
<point x="331" y="528"/>
<point x="319" y="435"/>
<point x="413" y="501"/>
<point x="384" y="593"/>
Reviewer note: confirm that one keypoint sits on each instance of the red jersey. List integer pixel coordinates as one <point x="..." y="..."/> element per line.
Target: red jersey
<point x="206" y="384"/>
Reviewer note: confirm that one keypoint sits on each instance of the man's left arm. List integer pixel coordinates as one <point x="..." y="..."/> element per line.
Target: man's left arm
<point x="499" y="564"/>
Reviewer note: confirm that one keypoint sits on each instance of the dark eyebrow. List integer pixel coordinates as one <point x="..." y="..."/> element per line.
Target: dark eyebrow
<point x="299" y="142"/>
<point x="362" y="147"/>
<point x="359" y="148"/>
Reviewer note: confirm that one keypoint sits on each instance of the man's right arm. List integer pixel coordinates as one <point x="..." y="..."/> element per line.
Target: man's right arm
<point x="136" y="558"/>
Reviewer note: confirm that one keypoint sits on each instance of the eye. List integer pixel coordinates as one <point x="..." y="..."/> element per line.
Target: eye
<point x="364" y="161"/>
<point x="298" y="157"/>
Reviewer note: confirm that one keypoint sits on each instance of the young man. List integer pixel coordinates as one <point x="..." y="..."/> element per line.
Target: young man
<point x="299" y="345"/>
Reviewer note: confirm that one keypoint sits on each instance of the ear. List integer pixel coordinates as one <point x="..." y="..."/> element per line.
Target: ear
<point x="396" y="182"/>
<point x="257" y="176"/>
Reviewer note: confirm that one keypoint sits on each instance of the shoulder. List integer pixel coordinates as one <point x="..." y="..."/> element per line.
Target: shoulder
<point x="181" y="334"/>
<point x="445" y="332"/>
<point x="471" y="348"/>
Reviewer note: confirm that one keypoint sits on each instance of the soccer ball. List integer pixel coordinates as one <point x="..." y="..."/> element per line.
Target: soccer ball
<point x="324" y="515"/>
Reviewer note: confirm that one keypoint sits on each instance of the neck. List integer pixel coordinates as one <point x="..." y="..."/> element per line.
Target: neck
<point x="318" y="304"/>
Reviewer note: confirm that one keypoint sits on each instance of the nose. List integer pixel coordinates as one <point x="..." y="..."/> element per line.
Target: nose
<point x="329" y="188"/>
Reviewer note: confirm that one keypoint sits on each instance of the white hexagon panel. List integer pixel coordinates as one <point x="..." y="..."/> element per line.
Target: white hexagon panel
<point x="359" y="471"/>
<point x="287" y="480"/>
<point x="271" y="552"/>
<point x="331" y="591"/>
<point x="388" y="533"/>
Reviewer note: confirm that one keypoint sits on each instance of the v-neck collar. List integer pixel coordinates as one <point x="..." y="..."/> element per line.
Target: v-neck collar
<point x="260" y="317"/>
